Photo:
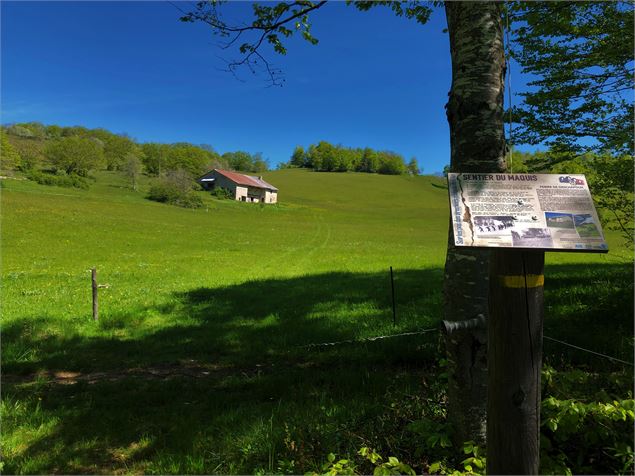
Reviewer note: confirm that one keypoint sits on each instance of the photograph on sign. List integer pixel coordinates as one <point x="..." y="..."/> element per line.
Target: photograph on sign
<point x="544" y="211"/>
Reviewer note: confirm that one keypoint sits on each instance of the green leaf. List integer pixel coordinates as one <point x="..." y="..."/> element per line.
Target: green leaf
<point x="434" y="467"/>
<point x="445" y="442"/>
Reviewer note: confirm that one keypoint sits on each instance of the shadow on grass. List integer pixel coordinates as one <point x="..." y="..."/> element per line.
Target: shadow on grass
<point x="590" y="306"/>
<point x="275" y="402"/>
<point x="240" y="324"/>
<point x="441" y="186"/>
<point x="278" y="407"/>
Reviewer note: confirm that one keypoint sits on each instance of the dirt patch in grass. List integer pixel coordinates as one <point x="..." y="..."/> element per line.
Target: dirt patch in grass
<point x="190" y="368"/>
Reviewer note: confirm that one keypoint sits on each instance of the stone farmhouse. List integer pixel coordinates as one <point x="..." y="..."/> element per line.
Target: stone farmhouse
<point x="244" y="188"/>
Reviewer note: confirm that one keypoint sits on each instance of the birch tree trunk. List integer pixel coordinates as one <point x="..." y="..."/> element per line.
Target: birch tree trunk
<point x="475" y="115"/>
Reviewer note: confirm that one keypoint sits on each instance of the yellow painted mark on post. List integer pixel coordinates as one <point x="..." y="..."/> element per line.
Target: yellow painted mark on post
<point x="529" y="281"/>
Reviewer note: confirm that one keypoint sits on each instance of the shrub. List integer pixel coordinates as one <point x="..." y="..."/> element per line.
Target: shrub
<point x="222" y="193"/>
<point x="174" y="193"/>
<point x="582" y="437"/>
<point x="190" y="200"/>
<point x="381" y="467"/>
<point x="69" y="181"/>
<point x="20" y="131"/>
<point x="29" y="160"/>
<point x="9" y="158"/>
<point x="163" y="192"/>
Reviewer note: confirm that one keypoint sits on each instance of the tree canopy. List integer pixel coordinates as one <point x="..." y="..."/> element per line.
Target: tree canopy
<point x="326" y="157"/>
<point x="580" y="55"/>
<point x="75" y="155"/>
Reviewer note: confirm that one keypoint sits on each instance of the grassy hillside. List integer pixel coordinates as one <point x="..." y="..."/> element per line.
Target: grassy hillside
<point x="197" y="362"/>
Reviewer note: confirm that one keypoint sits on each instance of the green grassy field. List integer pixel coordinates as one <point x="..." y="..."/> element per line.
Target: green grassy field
<point x="199" y="364"/>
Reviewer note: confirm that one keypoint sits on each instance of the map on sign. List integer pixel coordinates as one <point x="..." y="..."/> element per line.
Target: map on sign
<point x="545" y="211"/>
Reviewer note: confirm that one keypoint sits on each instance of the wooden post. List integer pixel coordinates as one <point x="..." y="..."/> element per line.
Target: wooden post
<point x="95" y="287"/>
<point x="394" y="309"/>
<point x="514" y="361"/>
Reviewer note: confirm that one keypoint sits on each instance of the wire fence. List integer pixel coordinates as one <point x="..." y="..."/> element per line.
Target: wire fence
<point x="369" y="339"/>
<point x="435" y="329"/>
<point x="598" y="354"/>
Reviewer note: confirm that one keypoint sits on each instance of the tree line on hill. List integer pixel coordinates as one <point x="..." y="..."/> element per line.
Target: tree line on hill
<point x="79" y="150"/>
<point x="66" y="156"/>
<point x="326" y="157"/>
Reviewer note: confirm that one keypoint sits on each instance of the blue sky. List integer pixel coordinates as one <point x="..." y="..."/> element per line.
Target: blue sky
<point x="373" y="80"/>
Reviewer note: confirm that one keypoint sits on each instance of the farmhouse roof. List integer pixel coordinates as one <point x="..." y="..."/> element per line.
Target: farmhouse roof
<point x="247" y="180"/>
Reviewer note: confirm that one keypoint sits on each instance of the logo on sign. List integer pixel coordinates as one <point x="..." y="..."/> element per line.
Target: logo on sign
<point x="571" y="180"/>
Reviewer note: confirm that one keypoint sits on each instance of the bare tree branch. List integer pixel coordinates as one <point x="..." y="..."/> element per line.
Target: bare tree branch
<point x="268" y="26"/>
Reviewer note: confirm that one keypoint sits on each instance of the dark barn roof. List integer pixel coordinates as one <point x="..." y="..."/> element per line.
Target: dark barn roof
<point x="245" y="180"/>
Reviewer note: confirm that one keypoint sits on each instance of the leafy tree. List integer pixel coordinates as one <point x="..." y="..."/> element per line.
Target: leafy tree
<point x="133" y="168"/>
<point x="413" y="167"/>
<point x="298" y="158"/>
<point x="38" y="130"/>
<point x="350" y="159"/>
<point x="187" y="157"/>
<point x="369" y="161"/>
<point x="519" y="161"/>
<point x="97" y="141"/>
<point x="581" y="54"/>
<point x="259" y="164"/>
<point x="30" y="152"/>
<point x="79" y="131"/>
<point x="161" y="158"/>
<point x="116" y="150"/>
<point x="214" y="159"/>
<point x="53" y="131"/>
<point x="245" y="162"/>
<point x="612" y="184"/>
<point x="75" y="155"/>
<point x="31" y="130"/>
<point x="391" y="163"/>
<point x="327" y="156"/>
<point x="20" y="131"/>
<point x="314" y="158"/>
<point x="9" y="157"/>
<point x="155" y="157"/>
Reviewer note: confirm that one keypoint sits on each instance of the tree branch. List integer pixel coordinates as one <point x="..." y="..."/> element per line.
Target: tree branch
<point x="268" y="23"/>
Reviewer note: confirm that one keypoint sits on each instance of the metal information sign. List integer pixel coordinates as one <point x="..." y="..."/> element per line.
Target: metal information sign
<point x="544" y="211"/>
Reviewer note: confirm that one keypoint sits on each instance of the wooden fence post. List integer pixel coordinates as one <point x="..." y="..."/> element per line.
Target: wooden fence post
<point x="515" y="322"/>
<point x="394" y="309"/>
<point x="95" y="287"/>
